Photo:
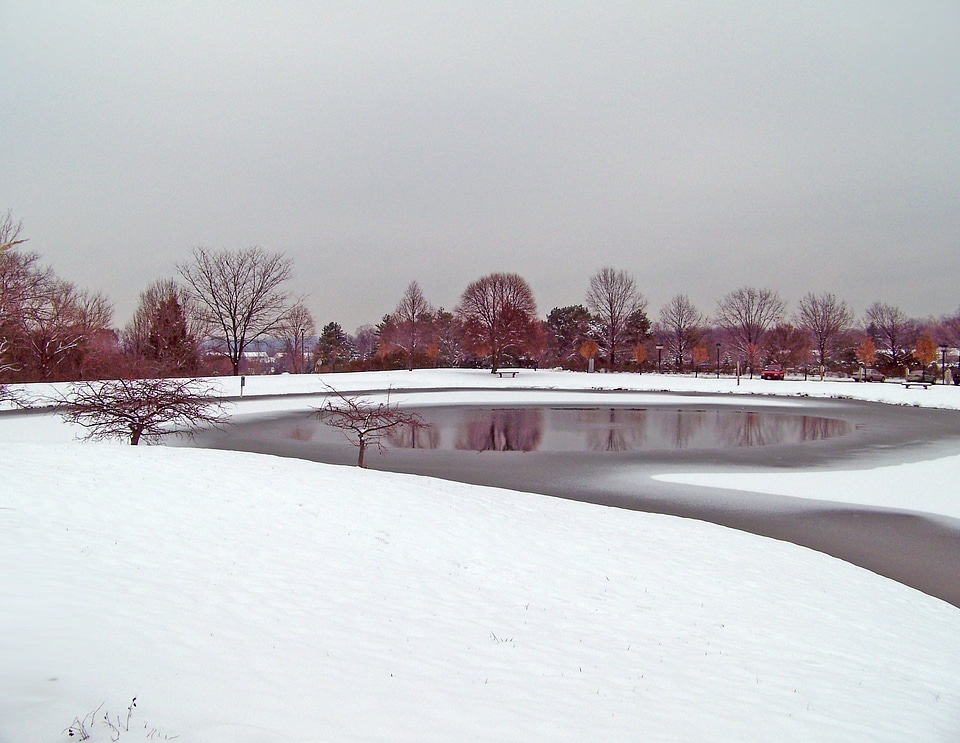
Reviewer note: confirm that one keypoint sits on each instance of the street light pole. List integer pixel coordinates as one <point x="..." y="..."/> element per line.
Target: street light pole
<point x="659" y="352"/>
<point x="303" y="350"/>
<point x="718" y="361"/>
<point x="943" y="363"/>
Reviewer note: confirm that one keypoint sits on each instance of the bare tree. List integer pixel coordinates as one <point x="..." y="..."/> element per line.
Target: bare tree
<point x="412" y="328"/>
<point x="950" y="326"/>
<point x="365" y="422"/>
<point x="498" y="315"/>
<point x="826" y="319"/>
<point x="141" y="409"/>
<point x="23" y="284"/>
<point x="10" y="232"/>
<point x="746" y="315"/>
<point x="239" y="294"/>
<point x="788" y="345"/>
<point x="893" y="332"/>
<point x="681" y="327"/>
<point x="49" y="329"/>
<point x="297" y="326"/>
<point x="612" y="298"/>
<point x="57" y="329"/>
<point x="366" y="342"/>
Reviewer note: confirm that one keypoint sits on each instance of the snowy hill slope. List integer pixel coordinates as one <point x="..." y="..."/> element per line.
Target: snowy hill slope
<point x="248" y="598"/>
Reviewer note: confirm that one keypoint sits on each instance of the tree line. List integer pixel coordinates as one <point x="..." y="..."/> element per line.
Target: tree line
<point x="225" y="307"/>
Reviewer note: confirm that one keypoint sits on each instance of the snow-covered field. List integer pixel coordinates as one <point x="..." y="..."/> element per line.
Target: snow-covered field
<point x="248" y="598"/>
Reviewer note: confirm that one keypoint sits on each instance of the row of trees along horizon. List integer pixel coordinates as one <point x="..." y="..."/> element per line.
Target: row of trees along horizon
<point x="228" y="312"/>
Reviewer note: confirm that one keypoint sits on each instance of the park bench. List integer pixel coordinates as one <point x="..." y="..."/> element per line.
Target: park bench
<point x="507" y="373"/>
<point x="919" y="379"/>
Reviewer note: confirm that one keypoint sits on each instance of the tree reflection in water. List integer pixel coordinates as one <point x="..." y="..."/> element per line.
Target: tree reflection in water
<point x="751" y="429"/>
<point x="303" y="433"/>
<point x="818" y="429"/>
<point x="746" y="428"/>
<point x="414" y="436"/>
<point x="682" y="426"/>
<point x="501" y="430"/>
<point x="615" y="429"/>
<point x="607" y="429"/>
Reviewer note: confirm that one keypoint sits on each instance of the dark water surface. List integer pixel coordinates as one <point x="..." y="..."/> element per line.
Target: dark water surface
<point x="582" y="429"/>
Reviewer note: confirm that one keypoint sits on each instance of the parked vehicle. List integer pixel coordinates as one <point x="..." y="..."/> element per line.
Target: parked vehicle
<point x="868" y="375"/>
<point x="772" y="371"/>
<point x="919" y="379"/>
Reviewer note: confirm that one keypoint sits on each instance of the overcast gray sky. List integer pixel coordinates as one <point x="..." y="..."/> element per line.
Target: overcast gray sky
<point x="701" y="146"/>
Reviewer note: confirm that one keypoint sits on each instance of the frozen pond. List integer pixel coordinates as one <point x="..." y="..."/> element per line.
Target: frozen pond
<point x="582" y="429"/>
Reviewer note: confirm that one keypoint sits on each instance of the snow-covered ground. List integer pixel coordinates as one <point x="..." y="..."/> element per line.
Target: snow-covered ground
<point x="243" y="598"/>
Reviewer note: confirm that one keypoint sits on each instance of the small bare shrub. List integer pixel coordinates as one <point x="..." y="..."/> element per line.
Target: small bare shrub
<point x="96" y="726"/>
<point x="363" y="421"/>
<point x="138" y="409"/>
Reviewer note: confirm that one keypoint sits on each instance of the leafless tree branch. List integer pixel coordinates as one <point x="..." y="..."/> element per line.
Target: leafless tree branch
<point x="613" y="297"/>
<point x="10" y="232"/>
<point x="142" y="409"/>
<point x="239" y="294"/>
<point x="363" y="421"/>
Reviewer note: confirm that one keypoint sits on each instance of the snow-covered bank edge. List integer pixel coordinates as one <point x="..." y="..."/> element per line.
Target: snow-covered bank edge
<point x="476" y="380"/>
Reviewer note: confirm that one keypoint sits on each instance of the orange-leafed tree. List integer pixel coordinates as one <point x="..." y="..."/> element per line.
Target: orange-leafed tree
<point x="589" y="349"/>
<point x="866" y="352"/>
<point x="925" y="351"/>
<point x="700" y="355"/>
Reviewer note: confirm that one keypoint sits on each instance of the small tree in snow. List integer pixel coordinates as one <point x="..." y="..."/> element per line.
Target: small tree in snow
<point x="141" y="409"/>
<point x="363" y="421"/>
<point x="589" y="349"/>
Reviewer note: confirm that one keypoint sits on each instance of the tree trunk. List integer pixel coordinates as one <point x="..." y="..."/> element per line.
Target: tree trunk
<point x="362" y="449"/>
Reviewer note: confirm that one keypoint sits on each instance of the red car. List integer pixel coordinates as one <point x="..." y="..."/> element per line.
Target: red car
<point x="772" y="371"/>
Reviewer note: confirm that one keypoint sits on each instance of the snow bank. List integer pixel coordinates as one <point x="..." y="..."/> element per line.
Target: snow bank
<point x="922" y="487"/>
<point x="248" y="598"/>
<point x="482" y="382"/>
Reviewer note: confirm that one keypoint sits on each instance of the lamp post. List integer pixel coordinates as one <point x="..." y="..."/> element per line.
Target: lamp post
<point x="718" y="361"/>
<point x="943" y="363"/>
<point x="659" y="354"/>
<point x="303" y="350"/>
